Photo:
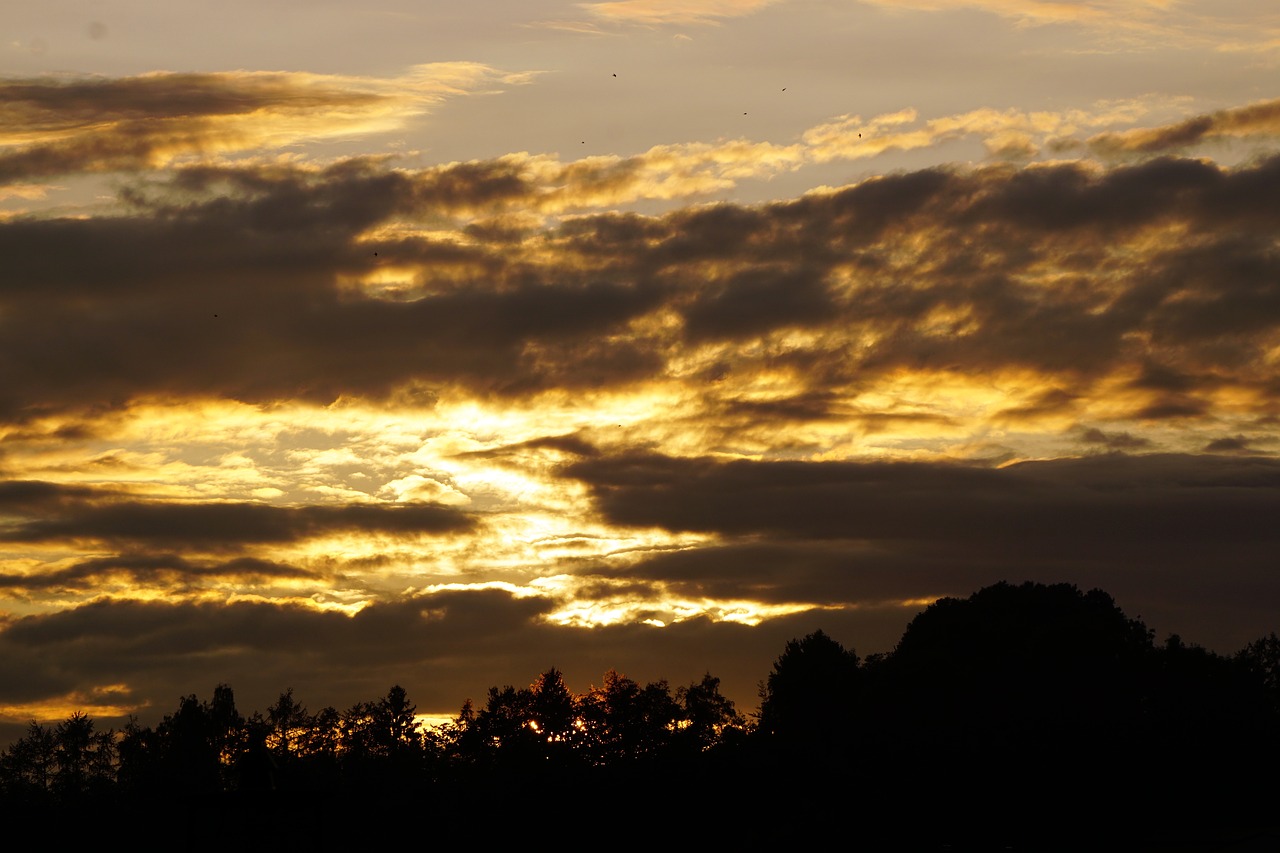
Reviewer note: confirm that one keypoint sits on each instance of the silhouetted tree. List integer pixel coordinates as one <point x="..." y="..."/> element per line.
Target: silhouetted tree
<point x="460" y="740"/>
<point x="289" y="723"/>
<point x="403" y="731"/>
<point x="622" y="721"/>
<point x="319" y="745"/>
<point x="1207" y="705"/>
<point x="140" y="757"/>
<point x="227" y="733"/>
<point x="29" y="765"/>
<point x="1037" y="697"/>
<point x="552" y="710"/>
<point x="188" y="750"/>
<point x="85" y="759"/>
<point x="1261" y="659"/>
<point x="707" y="714"/>
<point x="812" y="692"/>
<point x="504" y="726"/>
<point x="1015" y="662"/>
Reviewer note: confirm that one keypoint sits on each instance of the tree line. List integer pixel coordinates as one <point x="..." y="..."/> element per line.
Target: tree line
<point x="1041" y="707"/>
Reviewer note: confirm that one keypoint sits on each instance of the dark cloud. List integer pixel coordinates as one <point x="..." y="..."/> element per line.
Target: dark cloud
<point x="60" y="104"/>
<point x="259" y="646"/>
<point x="1114" y="441"/>
<point x="1160" y="377"/>
<point x="53" y="516"/>
<point x="28" y="495"/>
<point x="571" y="444"/>
<point x="757" y="301"/>
<point x="144" y="570"/>
<point x="810" y="406"/>
<point x="124" y="124"/>
<point x="1180" y="540"/>
<point x="1125" y="197"/>
<point x="1082" y="505"/>
<point x="1233" y="444"/>
<point x="1172" y="407"/>
<point x="830" y="574"/>
<point x="1260" y="119"/>
<point x="1051" y="401"/>
<point x="277" y="328"/>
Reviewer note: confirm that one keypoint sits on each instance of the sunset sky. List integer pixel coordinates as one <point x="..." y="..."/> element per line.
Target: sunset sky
<point x="345" y="345"/>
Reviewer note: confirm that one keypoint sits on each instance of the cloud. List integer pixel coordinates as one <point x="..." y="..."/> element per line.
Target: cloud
<point x="1232" y="444"/>
<point x="62" y="125"/>
<point x="415" y="487"/>
<point x="1115" y="441"/>
<point x="476" y="408"/>
<point x="1081" y="275"/>
<point x="1117" y="24"/>
<point x="676" y="171"/>
<point x="1067" y="503"/>
<point x="65" y="126"/>
<point x="662" y="12"/>
<point x="63" y="514"/>
<point x="443" y="648"/>
<point x="1259" y="120"/>
<point x="1040" y="11"/>
<point x="139" y="571"/>
<point x="861" y="542"/>
<point x="1158" y="530"/>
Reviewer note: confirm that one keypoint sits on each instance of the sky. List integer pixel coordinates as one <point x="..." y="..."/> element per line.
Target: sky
<point x="349" y="345"/>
